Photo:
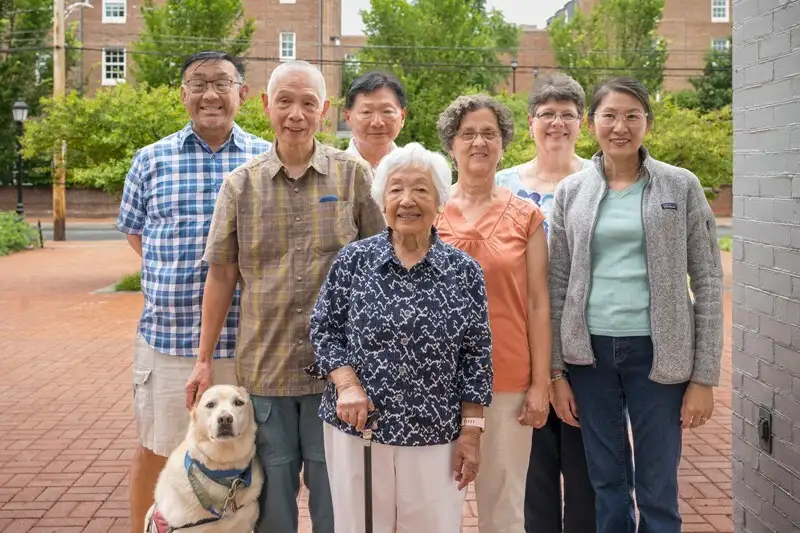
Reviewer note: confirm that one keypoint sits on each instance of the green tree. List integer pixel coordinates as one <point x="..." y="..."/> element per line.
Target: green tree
<point x="26" y="69"/>
<point x="715" y="87"/>
<point x="439" y="49"/>
<point x="176" y="29"/>
<point x="618" y="37"/>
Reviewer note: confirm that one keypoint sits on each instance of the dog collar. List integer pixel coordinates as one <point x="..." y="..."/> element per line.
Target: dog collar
<point x="220" y="476"/>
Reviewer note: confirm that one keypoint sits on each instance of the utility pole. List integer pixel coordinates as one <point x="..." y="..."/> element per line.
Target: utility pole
<point x="59" y="155"/>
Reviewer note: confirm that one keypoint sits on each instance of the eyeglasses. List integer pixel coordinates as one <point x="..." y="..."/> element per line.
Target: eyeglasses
<point x="609" y="119"/>
<point x="488" y="135"/>
<point x="201" y="86"/>
<point x="549" y="117"/>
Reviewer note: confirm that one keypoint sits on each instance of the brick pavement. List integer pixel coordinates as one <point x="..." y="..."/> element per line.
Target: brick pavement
<point x="67" y="436"/>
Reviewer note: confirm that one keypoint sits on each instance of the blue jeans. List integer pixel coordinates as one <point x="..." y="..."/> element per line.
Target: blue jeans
<point x="290" y="437"/>
<point x="612" y="393"/>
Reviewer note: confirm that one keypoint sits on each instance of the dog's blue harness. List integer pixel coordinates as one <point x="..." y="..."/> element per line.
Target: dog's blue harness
<point x="230" y="479"/>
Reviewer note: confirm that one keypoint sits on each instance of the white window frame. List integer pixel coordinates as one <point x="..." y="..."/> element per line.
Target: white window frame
<point x="281" y="55"/>
<point x="727" y="45"/>
<point x="719" y="4"/>
<point x="114" y="81"/>
<point x="287" y="2"/>
<point x="115" y="19"/>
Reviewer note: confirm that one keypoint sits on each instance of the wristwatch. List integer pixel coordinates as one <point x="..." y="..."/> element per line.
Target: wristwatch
<point x="474" y="422"/>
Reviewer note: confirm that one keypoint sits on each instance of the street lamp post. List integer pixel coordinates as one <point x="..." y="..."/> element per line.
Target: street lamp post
<point x="514" y="67"/>
<point x="20" y="113"/>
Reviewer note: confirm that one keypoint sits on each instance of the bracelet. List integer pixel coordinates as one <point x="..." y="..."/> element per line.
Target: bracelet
<point x="346" y="385"/>
<point x="556" y="377"/>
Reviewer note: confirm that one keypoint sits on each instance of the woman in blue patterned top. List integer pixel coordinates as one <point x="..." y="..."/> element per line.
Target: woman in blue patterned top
<point x="555" y="110"/>
<point x="401" y="325"/>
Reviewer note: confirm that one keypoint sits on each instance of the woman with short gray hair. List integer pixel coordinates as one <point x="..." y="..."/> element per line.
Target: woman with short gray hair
<point x="503" y="233"/>
<point x="401" y="327"/>
<point x="555" y="111"/>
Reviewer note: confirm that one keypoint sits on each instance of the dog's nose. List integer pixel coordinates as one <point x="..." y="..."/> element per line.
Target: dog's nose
<point x="225" y="419"/>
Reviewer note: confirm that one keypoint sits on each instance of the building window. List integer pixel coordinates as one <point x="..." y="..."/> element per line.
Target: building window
<point x="720" y="45"/>
<point x="113" y="66"/>
<point x="114" y="11"/>
<point x="287" y="45"/>
<point x="288" y="2"/>
<point x="720" y="11"/>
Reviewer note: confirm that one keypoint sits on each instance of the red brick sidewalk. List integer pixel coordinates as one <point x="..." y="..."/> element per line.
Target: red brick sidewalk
<point x="66" y="437"/>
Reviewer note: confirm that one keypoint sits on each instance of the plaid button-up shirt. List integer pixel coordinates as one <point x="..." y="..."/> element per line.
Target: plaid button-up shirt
<point x="169" y="198"/>
<point x="285" y="234"/>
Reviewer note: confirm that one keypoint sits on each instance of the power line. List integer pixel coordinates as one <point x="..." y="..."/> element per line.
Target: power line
<point x="442" y="66"/>
<point x="173" y="39"/>
<point x="400" y="63"/>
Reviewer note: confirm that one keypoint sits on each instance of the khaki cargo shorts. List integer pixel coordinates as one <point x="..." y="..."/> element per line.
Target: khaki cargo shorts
<point x="159" y="396"/>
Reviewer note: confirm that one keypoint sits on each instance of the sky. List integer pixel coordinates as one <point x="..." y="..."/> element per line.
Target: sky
<point x="535" y="12"/>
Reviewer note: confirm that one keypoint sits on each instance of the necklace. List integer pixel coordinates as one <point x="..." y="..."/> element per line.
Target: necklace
<point x="535" y="174"/>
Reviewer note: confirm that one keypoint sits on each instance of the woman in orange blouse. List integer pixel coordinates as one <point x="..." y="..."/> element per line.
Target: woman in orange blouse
<point x="504" y="234"/>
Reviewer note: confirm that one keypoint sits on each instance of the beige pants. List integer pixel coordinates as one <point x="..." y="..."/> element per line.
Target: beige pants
<point x="159" y="395"/>
<point x="505" y="452"/>
<point x="413" y="490"/>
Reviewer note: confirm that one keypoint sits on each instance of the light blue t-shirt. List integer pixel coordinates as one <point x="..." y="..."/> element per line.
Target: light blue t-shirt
<point x="510" y="178"/>
<point x="619" y="297"/>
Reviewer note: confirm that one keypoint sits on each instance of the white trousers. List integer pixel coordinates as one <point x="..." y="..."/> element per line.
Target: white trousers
<point x="505" y="453"/>
<point x="413" y="490"/>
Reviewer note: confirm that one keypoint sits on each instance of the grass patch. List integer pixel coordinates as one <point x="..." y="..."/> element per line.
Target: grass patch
<point x="726" y="243"/>
<point x="131" y="282"/>
<point x="15" y="233"/>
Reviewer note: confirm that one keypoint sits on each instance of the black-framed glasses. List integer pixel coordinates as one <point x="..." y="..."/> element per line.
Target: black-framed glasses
<point x="549" y="117"/>
<point x="200" y="86"/>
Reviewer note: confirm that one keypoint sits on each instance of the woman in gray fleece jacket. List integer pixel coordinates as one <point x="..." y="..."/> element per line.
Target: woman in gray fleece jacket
<point x="639" y="351"/>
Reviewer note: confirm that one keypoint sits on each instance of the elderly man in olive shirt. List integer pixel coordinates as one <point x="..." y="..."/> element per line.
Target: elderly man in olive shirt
<point x="278" y="224"/>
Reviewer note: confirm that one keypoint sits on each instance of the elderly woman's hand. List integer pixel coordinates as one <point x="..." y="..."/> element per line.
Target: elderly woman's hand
<point x="353" y="405"/>
<point x="536" y="406"/>
<point x="467" y="456"/>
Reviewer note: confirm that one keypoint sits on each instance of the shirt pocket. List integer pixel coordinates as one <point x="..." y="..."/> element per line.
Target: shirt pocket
<point x="334" y="226"/>
<point x="263" y="236"/>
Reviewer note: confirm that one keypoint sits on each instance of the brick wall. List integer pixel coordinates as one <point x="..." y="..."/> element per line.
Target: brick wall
<point x="766" y="268"/>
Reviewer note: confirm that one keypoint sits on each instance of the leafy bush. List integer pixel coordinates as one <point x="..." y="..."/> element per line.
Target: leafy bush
<point x="131" y="282"/>
<point x="726" y="243"/>
<point x="104" y="132"/>
<point x="15" y="233"/>
<point x="700" y="142"/>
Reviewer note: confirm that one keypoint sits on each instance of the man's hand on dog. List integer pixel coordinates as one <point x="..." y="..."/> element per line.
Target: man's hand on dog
<point x="200" y="381"/>
<point x="353" y="405"/>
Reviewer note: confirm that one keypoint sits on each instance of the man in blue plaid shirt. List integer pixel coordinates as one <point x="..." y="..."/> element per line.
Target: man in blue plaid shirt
<point x="166" y="210"/>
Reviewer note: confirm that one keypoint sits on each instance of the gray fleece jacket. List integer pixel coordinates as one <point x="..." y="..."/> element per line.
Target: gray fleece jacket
<point x="680" y="238"/>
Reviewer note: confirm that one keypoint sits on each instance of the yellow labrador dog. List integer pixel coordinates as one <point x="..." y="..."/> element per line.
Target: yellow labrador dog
<point x="211" y="482"/>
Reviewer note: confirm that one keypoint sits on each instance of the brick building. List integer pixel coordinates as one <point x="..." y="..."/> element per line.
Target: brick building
<point x="766" y="268"/>
<point x="690" y="27"/>
<point x="284" y="29"/>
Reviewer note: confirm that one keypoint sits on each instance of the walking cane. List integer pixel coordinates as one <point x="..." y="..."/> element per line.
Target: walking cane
<point x="372" y="421"/>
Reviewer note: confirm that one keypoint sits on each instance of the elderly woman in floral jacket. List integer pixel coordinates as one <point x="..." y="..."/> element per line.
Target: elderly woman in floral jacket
<point x="401" y="326"/>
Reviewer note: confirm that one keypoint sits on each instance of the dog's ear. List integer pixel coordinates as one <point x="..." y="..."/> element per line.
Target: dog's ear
<point x="244" y="392"/>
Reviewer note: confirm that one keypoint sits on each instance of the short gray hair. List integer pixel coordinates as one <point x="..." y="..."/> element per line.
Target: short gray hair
<point x="287" y="68"/>
<point x="560" y="88"/>
<point x="413" y="155"/>
<point x="450" y="119"/>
